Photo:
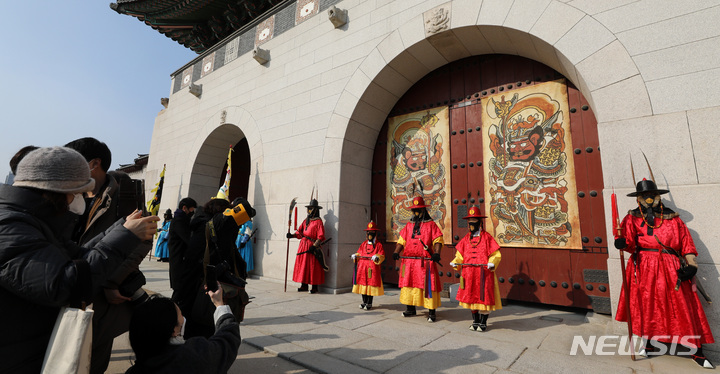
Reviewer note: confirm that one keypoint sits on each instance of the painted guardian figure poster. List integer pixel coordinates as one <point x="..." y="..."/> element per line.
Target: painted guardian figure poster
<point x="418" y="163"/>
<point x="530" y="175"/>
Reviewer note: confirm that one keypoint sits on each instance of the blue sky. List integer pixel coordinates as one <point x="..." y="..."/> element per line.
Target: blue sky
<point x="77" y="68"/>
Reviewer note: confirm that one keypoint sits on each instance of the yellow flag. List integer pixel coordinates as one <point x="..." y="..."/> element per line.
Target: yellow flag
<point x="153" y="206"/>
<point x="225" y="188"/>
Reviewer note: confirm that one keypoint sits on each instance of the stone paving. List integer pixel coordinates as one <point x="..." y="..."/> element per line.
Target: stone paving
<point x="326" y="333"/>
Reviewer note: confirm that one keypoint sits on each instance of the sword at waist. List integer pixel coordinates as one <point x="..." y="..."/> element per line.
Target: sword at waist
<point x="476" y="265"/>
<point x="416" y="258"/>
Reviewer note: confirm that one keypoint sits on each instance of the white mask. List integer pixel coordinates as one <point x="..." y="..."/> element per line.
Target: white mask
<point x="77" y="206"/>
<point x="178" y="340"/>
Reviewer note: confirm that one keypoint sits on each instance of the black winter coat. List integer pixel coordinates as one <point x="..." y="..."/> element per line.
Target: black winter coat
<point x="37" y="274"/>
<point x="198" y="355"/>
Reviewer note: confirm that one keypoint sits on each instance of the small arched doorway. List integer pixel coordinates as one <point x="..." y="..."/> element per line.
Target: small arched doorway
<point x="541" y="269"/>
<point x="240" y="176"/>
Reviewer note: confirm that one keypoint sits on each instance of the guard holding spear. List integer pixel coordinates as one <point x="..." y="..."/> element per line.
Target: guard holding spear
<point x="477" y="258"/>
<point x="366" y="278"/>
<point x="310" y="264"/>
<point x="660" y="272"/>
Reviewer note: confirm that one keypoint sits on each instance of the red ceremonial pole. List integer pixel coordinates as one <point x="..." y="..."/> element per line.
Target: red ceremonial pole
<point x="618" y="233"/>
<point x="287" y="254"/>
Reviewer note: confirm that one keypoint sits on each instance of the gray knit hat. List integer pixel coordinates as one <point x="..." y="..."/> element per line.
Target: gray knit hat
<point x="57" y="169"/>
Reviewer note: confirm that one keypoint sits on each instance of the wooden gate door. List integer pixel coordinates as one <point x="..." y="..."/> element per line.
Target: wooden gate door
<point x="558" y="276"/>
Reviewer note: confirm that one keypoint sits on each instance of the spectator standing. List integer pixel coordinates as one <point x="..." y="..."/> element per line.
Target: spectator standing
<point x="122" y="291"/>
<point x="37" y="273"/>
<point x="185" y="265"/>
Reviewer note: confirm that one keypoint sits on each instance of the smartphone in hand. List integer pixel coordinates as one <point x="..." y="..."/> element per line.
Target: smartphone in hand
<point x="211" y="282"/>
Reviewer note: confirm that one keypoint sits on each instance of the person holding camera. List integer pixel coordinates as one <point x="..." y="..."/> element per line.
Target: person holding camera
<point x="37" y="268"/>
<point x="104" y="205"/>
<point x="157" y="337"/>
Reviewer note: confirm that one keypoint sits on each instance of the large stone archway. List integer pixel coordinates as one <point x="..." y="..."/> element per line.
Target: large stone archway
<point x="558" y="38"/>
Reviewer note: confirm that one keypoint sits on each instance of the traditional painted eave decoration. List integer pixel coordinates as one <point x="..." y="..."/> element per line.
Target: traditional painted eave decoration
<point x="196" y="24"/>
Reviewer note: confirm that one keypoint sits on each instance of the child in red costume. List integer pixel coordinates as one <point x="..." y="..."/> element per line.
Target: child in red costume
<point x="366" y="279"/>
<point x="477" y="258"/>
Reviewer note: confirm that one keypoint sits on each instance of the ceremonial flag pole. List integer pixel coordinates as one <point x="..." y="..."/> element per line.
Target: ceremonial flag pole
<point x="153" y="206"/>
<point x="224" y="191"/>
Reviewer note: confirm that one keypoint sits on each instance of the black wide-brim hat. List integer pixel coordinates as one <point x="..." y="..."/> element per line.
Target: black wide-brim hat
<point x="313" y="204"/>
<point x="646" y="186"/>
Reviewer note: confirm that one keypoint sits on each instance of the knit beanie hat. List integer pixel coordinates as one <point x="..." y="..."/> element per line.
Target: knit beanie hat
<point x="57" y="169"/>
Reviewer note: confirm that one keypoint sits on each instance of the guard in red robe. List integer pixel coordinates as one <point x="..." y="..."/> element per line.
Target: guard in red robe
<point x="308" y="266"/>
<point x="477" y="258"/>
<point x="366" y="279"/>
<point x="420" y="243"/>
<point x="663" y="303"/>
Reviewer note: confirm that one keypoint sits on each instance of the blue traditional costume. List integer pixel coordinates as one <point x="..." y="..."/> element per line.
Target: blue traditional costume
<point x="244" y="244"/>
<point x="161" y="247"/>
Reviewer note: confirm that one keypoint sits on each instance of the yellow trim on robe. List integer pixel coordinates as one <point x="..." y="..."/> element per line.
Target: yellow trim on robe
<point x="439" y="239"/>
<point x="368" y="290"/>
<point x="483" y="307"/>
<point x="416" y="296"/>
<point x="495" y="259"/>
<point x="401" y="241"/>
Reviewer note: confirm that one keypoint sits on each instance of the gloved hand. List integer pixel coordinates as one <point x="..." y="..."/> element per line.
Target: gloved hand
<point x="620" y="243"/>
<point x="454" y="265"/>
<point x="290" y="235"/>
<point x="435" y="257"/>
<point x="491" y="266"/>
<point x="396" y="256"/>
<point x="375" y="258"/>
<point x="353" y="256"/>
<point x="687" y="272"/>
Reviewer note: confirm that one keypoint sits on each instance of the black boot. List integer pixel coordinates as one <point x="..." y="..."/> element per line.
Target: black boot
<point x="701" y="360"/>
<point x="476" y="321"/>
<point x="368" y="303"/>
<point x="410" y="311"/>
<point x="364" y="297"/>
<point x="431" y="315"/>
<point x="483" y="321"/>
<point x="303" y="287"/>
<point x="314" y="289"/>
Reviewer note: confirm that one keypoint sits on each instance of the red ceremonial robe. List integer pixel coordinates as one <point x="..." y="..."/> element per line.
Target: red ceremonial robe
<point x="307" y="268"/>
<point x="658" y="311"/>
<point x="413" y="272"/>
<point x="480" y="284"/>
<point x="368" y="279"/>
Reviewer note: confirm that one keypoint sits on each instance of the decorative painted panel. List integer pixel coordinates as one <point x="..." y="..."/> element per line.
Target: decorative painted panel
<point x="418" y="161"/>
